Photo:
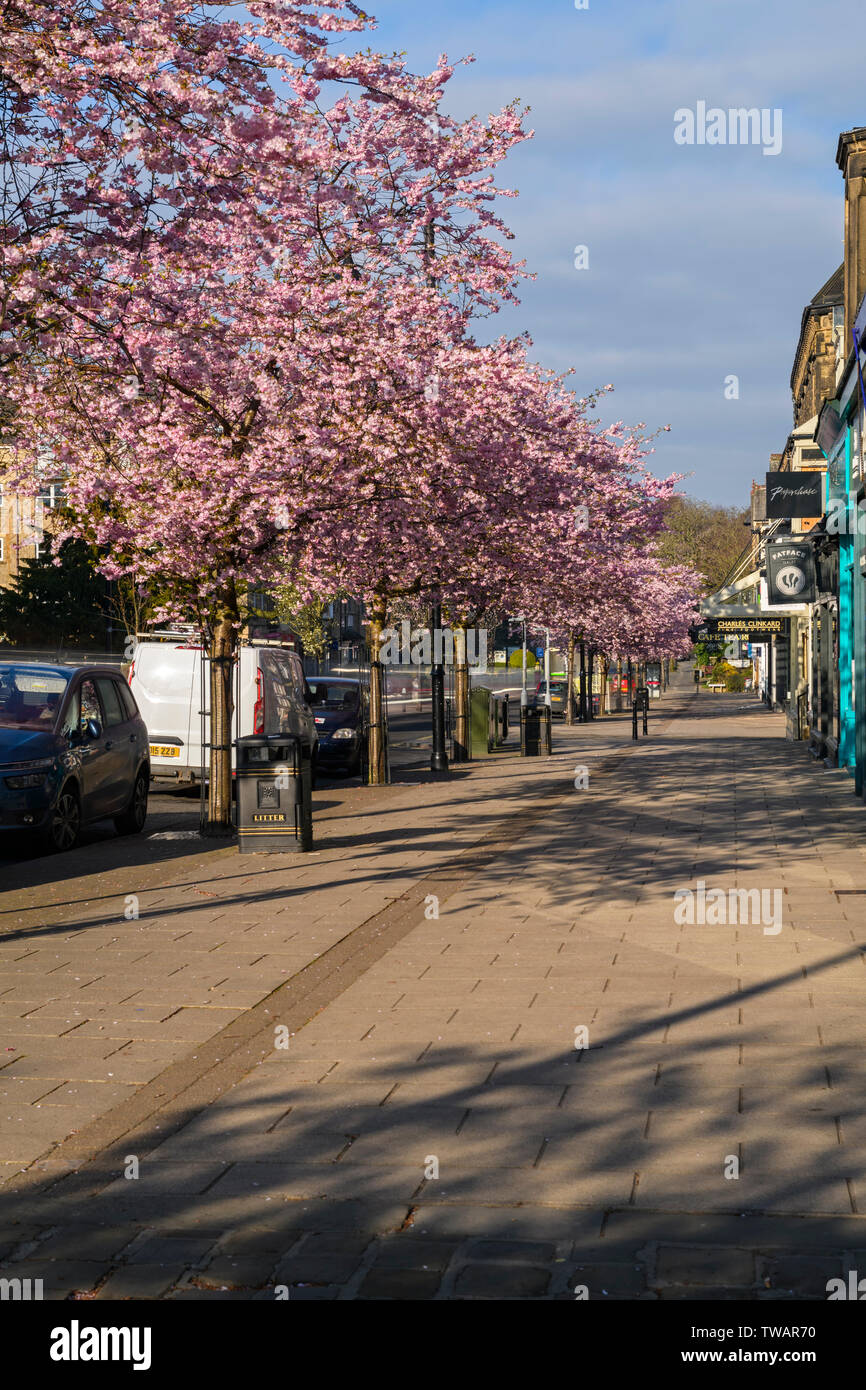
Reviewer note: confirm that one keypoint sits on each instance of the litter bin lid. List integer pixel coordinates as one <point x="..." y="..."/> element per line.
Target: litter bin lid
<point x="266" y="740"/>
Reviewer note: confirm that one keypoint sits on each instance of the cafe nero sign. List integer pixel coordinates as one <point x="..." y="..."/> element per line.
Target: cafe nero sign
<point x="790" y="572"/>
<point x="794" y="495"/>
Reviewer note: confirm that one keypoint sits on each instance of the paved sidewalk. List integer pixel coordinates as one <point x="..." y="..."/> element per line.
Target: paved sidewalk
<point x="111" y="974"/>
<point x="432" y="1130"/>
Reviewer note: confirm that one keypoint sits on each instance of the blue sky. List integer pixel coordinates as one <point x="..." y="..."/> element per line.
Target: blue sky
<point x="701" y="257"/>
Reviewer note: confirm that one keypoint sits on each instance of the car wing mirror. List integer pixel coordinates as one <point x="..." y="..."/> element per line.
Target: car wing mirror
<point x="93" y="729"/>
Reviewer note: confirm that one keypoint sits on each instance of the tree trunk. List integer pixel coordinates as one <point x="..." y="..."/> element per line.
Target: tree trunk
<point x="590" y="666"/>
<point x="583" y="714"/>
<point x="376" y="738"/>
<point x="223" y="649"/>
<point x="462" y="744"/>
<point x="618" y="684"/>
<point x="569" y="681"/>
<point x="439" y="755"/>
<point x="604" y="698"/>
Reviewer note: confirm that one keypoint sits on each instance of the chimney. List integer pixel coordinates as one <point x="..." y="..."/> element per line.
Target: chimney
<point x="851" y="159"/>
<point x="758" y="501"/>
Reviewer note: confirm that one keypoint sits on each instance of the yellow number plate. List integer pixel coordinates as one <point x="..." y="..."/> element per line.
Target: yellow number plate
<point x="158" y="750"/>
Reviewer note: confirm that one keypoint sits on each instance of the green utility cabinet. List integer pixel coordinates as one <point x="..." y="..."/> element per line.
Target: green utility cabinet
<point x="479" y="721"/>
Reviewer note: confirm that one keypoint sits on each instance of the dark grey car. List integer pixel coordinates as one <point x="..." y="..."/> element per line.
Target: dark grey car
<point x="558" y="695"/>
<point x="73" y="749"/>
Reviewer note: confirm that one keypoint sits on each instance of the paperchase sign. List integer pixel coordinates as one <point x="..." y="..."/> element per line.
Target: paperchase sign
<point x="790" y="573"/>
<point x="794" y="495"/>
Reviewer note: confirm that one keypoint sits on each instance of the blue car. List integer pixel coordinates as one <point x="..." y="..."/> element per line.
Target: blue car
<point x="339" y="706"/>
<point x="73" y="749"/>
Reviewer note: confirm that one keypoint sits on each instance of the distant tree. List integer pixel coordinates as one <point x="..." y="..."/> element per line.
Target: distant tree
<point x="131" y="607"/>
<point x="306" y="619"/>
<point x="733" y="677"/>
<point x="63" y="605"/>
<point x="516" y="659"/>
<point x="707" y="652"/>
<point x="706" y="537"/>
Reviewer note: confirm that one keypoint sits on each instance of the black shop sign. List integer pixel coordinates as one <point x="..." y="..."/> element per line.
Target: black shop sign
<point x="790" y="572"/>
<point x="794" y="495"/>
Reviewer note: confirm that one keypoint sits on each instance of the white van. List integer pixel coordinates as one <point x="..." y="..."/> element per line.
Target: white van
<point x="165" y="678"/>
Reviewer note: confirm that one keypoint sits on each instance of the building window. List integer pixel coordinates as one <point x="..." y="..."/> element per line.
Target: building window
<point x="2" y="548"/>
<point x="52" y="495"/>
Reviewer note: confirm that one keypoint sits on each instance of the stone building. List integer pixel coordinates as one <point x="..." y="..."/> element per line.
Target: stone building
<point x="838" y="433"/>
<point x="816" y="698"/>
<point x="23" y="524"/>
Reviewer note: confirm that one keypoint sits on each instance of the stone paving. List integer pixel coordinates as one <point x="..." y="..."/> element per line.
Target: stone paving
<point x="582" y="1078"/>
<point x="139" y="950"/>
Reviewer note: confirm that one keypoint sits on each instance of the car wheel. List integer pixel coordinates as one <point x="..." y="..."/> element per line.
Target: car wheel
<point x="63" y="829"/>
<point x="131" y="821"/>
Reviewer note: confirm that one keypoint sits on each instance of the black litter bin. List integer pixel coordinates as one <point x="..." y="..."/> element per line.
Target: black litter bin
<point x="535" y="731"/>
<point x="498" y="721"/>
<point x="274" y="790"/>
<point x="640" y="706"/>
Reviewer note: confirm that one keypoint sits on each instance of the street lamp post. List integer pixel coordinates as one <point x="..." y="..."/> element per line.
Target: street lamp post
<point x="547" y="664"/>
<point x="439" y="757"/>
<point x="539" y="627"/>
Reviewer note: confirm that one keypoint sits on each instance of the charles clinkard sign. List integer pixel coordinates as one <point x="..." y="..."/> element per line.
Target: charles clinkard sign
<point x="794" y="495"/>
<point x="761" y="629"/>
<point x="790" y="573"/>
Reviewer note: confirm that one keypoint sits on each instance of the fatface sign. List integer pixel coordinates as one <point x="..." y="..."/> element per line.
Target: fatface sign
<point x="790" y="572"/>
<point x="795" y="495"/>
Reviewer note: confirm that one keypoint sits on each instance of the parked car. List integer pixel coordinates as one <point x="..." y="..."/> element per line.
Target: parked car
<point x="73" y="749"/>
<point x="340" y="708"/>
<point x="558" y="696"/>
<point x="165" y="678"/>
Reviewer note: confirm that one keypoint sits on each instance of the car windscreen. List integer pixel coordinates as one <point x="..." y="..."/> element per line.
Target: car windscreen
<point x="331" y="695"/>
<point x="30" y="699"/>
